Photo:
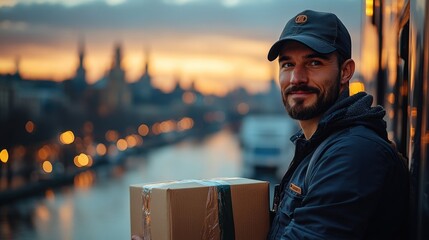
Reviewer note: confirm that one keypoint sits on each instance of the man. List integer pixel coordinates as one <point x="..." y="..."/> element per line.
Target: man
<point x="346" y="181"/>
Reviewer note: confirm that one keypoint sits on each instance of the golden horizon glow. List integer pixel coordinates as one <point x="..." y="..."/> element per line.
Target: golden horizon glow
<point x="216" y="64"/>
<point x="218" y="61"/>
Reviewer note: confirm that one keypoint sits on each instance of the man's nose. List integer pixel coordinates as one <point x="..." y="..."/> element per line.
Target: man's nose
<point x="298" y="76"/>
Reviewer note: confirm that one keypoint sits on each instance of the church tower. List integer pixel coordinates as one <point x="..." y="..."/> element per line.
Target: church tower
<point x="79" y="81"/>
<point x="17" y="74"/>
<point x="117" y="94"/>
<point x="142" y="89"/>
<point x="146" y="75"/>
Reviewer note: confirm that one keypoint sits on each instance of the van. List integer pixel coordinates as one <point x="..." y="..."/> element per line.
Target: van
<point x="265" y="142"/>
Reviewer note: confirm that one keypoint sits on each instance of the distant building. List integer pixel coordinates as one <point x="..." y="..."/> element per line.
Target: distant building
<point x="34" y="97"/>
<point x="177" y="91"/>
<point x="271" y="100"/>
<point x="197" y="97"/>
<point x="142" y="90"/>
<point x="79" y="81"/>
<point x="6" y="93"/>
<point x="116" y="94"/>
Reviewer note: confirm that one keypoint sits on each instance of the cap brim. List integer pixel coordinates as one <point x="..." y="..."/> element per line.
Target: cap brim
<point x="316" y="44"/>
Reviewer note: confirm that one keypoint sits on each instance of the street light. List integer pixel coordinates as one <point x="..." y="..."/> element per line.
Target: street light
<point x="4" y="155"/>
<point x="67" y="137"/>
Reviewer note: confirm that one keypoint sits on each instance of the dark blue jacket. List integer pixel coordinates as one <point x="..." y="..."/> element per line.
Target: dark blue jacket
<point x="358" y="185"/>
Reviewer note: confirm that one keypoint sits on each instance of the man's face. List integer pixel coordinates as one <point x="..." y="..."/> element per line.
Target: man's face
<point x="309" y="81"/>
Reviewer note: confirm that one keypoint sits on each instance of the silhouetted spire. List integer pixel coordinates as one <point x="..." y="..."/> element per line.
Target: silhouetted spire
<point x="81" y="50"/>
<point x="80" y="77"/>
<point x="146" y="75"/>
<point x="17" y="67"/>
<point x="118" y="56"/>
<point x="146" y="65"/>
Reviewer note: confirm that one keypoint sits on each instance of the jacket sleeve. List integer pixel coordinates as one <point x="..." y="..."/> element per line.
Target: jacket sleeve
<point x="342" y="193"/>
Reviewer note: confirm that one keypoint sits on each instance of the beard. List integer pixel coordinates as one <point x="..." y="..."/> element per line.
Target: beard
<point x="323" y="102"/>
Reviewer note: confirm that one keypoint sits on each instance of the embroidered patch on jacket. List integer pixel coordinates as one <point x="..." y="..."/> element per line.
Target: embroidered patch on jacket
<point x="295" y="188"/>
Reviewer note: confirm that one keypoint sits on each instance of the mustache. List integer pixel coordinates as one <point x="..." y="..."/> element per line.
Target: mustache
<point x="303" y="88"/>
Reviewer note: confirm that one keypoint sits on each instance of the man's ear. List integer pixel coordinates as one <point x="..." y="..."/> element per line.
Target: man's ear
<point x="347" y="71"/>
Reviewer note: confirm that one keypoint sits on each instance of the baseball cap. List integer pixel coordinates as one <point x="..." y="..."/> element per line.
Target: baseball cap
<point x="323" y="32"/>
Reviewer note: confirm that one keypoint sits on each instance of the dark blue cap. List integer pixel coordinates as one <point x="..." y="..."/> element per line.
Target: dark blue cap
<point x="320" y="31"/>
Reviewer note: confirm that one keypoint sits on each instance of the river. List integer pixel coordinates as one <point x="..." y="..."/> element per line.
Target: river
<point x="97" y="205"/>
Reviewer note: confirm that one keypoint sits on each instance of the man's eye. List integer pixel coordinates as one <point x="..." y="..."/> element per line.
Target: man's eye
<point x="285" y="65"/>
<point x="315" y="63"/>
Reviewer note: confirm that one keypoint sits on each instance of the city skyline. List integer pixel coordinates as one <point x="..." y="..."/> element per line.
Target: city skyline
<point x="219" y="45"/>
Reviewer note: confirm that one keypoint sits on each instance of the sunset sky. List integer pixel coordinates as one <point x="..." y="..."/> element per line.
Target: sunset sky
<point x="219" y="44"/>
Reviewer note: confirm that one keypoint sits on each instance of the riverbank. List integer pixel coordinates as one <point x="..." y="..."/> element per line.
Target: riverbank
<point x="39" y="187"/>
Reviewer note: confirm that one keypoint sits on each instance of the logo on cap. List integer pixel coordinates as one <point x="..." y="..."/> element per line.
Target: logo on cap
<point x="300" y="19"/>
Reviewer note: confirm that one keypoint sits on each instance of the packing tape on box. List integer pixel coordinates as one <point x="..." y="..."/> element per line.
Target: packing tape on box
<point x="218" y="198"/>
<point x="219" y="214"/>
<point x="147" y="193"/>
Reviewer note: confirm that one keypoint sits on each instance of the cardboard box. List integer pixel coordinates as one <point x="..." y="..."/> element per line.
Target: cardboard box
<point x="228" y="208"/>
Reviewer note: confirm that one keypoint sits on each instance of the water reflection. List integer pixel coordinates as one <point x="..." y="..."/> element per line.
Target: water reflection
<point x="217" y="156"/>
<point x="97" y="207"/>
